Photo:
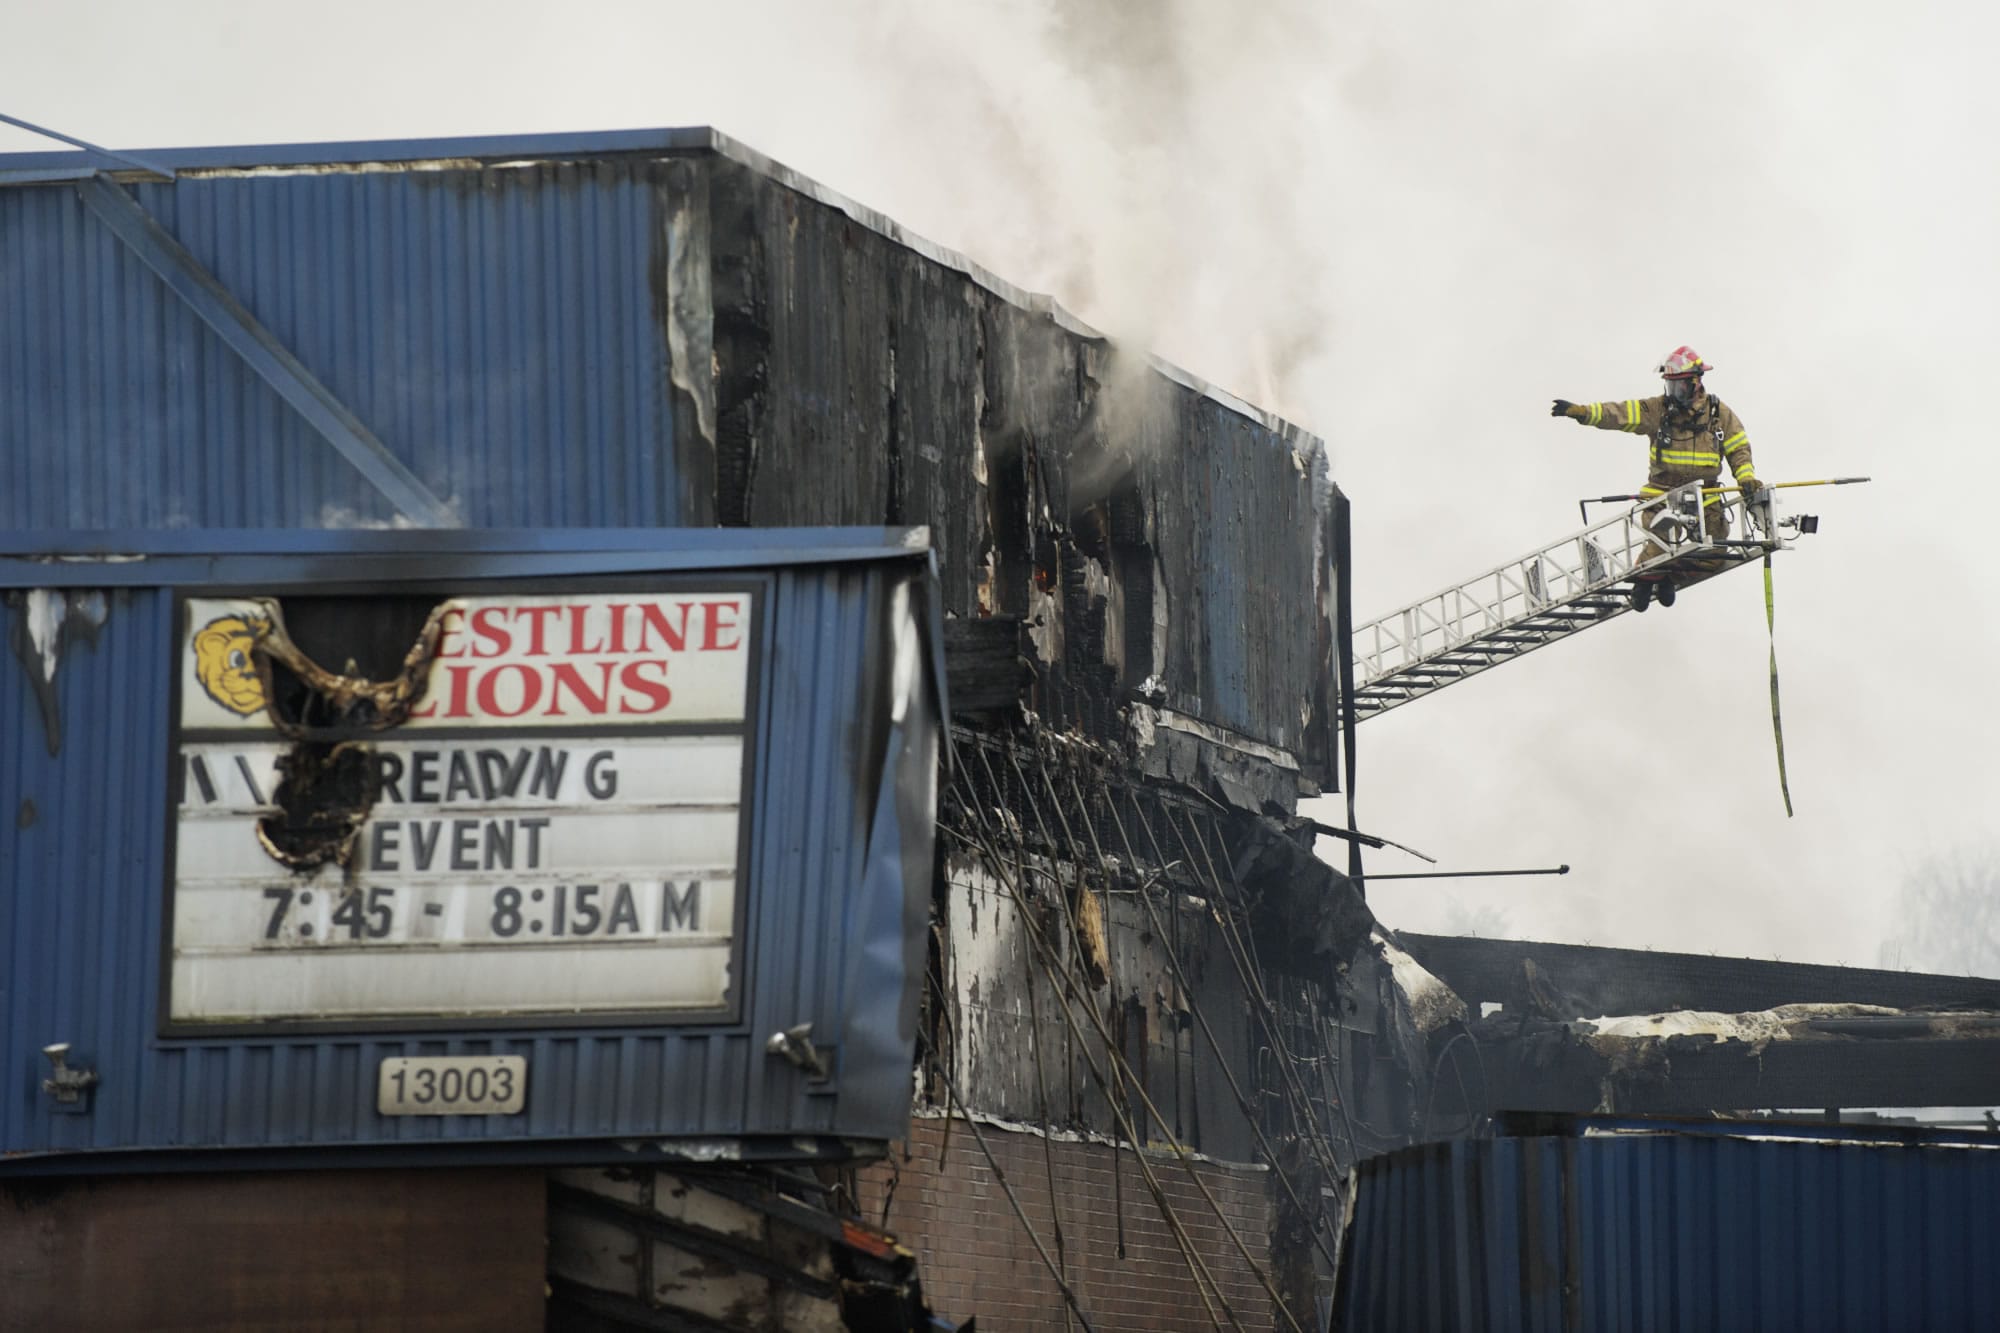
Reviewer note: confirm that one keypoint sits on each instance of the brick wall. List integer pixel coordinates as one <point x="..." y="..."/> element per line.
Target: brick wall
<point x="978" y="1260"/>
<point x="423" y="1251"/>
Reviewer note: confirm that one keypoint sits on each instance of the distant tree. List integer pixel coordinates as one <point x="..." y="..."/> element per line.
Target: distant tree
<point x="1948" y="915"/>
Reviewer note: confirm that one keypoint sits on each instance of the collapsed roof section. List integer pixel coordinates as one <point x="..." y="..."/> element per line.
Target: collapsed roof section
<point x="1564" y="1027"/>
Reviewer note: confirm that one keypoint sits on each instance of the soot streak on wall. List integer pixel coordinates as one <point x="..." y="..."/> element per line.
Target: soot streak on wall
<point x="1151" y="539"/>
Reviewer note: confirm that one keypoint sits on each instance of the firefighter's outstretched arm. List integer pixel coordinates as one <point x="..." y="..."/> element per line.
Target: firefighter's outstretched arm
<point x="1635" y="415"/>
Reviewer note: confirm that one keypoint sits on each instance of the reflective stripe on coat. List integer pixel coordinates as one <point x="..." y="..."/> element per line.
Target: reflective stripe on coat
<point x="1681" y="446"/>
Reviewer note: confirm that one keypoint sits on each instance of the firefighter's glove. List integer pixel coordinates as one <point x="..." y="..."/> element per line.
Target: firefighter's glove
<point x="1563" y="408"/>
<point x="1753" y="491"/>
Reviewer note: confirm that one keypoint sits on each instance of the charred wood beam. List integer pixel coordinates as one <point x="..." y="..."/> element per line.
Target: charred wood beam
<point x="1638" y="981"/>
<point x="983" y="664"/>
<point x="746" y="1255"/>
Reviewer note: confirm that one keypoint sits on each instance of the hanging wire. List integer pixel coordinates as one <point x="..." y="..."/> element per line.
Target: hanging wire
<point x="1042" y="1109"/>
<point x="1128" y="1079"/>
<point x="1437" y="1068"/>
<point x="1042" y="1098"/>
<point x="1380" y="1138"/>
<point x="1252" y="970"/>
<point x="1314" y="1137"/>
<point x="1195" y="1010"/>
<point x="1243" y="960"/>
<point x="1306" y="1106"/>
<point x="1204" y="1280"/>
<point x="1242" y="947"/>
<point x="1122" y="1076"/>
<point x="1340" y="1100"/>
<point x="1067" y="983"/>
<point x="958" y="1103"/>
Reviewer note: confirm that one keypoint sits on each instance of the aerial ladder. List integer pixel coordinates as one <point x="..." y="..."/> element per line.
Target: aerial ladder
<point x="1563" y="588"/>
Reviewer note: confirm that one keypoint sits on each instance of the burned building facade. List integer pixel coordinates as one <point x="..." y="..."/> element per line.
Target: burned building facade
<point x="1148" y="1032"/>
<point x="1156" y="1033"/>
<point x="1103" y="1037"/>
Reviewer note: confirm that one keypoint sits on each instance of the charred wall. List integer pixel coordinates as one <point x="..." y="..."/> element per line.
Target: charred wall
<point x="1144" y="537"/>
<point x="1128" y="947"/>
<point x="1122" y="961"/>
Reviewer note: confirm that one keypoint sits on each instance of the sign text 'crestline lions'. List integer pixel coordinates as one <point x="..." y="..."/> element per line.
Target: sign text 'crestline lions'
<point x="554" y="829"/>
<point x="547" y="661"/>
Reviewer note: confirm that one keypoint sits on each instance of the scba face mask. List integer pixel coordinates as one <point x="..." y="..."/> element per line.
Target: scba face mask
<point x="1681" y="392"/>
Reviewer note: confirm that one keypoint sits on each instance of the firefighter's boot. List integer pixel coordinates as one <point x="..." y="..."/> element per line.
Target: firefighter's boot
<point x="1642" y="593"/>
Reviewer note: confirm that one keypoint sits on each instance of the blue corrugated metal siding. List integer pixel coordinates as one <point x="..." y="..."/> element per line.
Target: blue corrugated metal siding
<point x="1668" y="1231"/>
<point x="81" y="909"/>
<point x="498" y="328"/>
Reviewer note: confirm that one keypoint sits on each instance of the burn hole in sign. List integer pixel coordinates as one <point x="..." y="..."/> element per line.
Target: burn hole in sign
<point x="324" y="795"/>
<point x="382" y="647"/>
<point x="329" y="779"/>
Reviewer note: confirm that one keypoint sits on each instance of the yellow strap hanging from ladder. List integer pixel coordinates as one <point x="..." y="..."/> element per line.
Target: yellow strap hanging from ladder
<point x="1777" y="724"/>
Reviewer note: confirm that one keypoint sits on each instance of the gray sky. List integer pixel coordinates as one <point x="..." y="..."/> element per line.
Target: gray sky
<point x="1407" y="226"/>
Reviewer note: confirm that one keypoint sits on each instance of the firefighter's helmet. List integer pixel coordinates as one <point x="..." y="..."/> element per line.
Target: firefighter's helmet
<point x="1683" y="363"/>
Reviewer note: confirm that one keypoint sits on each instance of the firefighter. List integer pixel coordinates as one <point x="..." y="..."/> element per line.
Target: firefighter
<point x="1691" y="431"/>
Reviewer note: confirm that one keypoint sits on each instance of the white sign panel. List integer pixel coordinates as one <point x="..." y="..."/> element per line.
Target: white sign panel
<point x="554" y="830"/>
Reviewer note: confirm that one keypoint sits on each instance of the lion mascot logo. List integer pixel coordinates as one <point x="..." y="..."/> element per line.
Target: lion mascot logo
<point x="223" y="662"/>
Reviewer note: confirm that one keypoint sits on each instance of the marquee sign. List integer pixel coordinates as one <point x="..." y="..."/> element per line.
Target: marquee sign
<point x="546" y="821"/>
